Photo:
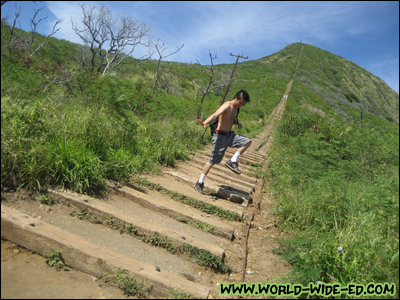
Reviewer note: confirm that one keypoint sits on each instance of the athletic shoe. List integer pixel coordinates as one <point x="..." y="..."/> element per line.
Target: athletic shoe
<point x="233" y="166"/>
<point x="200" y="187"/>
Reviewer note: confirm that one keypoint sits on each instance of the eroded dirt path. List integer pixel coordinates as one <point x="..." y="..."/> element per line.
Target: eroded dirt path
<point x="154" y="207"/>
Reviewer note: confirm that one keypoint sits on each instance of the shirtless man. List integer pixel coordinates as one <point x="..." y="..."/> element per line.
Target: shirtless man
<point x="224" y="136"/>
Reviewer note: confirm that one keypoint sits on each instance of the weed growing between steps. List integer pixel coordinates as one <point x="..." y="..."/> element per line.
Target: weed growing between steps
<point x="193" y="223"/>
<point x="128" y="285"/>
<point x="202" y="257"/>
<point x="174" y="294"/>
<point x="204" y="207"/>
<point x="45" y="199"/>
<point x="205" y="258"/>
<point x="131" y="287"/>
<point x="55" y="260"/>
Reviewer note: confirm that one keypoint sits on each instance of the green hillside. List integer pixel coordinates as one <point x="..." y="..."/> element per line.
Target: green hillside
<point x="338" y="81"/>
<point x="333" y="166"/>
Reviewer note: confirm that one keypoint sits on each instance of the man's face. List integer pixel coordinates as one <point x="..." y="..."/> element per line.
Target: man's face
<point x="242" y="102"/>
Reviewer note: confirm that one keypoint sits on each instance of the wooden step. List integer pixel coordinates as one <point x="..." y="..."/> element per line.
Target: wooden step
<point x="167" y="205"/>
<point x="41" y="237"/>
<point x="140" y="222"/>
<point x="212" y="181"/>
<point x="172" y="184"/>
<point x="212" y="184"/>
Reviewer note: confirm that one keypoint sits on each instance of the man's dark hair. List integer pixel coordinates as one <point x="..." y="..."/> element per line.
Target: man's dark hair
<point x="242" y="94"/>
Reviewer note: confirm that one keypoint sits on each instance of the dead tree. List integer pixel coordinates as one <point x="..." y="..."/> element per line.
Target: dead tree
<point x="109" y="45"/>
<point x="17" y="13"/>
<point x="160" y="49"/>
<point x="12" y="40"/>
<point x="204" y="91"/>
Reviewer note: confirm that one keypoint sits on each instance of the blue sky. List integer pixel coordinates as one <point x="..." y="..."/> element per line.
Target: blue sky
<point x="366" y="33"/>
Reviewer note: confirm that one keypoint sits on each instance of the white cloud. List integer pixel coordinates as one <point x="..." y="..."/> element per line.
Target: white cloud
<point x="67" y="11"/>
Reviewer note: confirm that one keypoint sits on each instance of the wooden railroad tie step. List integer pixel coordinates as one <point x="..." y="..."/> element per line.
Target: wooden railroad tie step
<point x="140" y="222"/>
<point x="167" y="205"/>
<point x="41" y="237"/>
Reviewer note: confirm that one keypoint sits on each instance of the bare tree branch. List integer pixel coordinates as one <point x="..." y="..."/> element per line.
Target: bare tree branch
<point x="17" y="13"/>
<point x="130" y="35"/>
<point x="57" y="81"/>
<point x="160" y="49"/>
<point x="54" y="31"/>
<point x="109" y="44"/>
<point x="208" y="88"/>
<point x="34" y="24"/>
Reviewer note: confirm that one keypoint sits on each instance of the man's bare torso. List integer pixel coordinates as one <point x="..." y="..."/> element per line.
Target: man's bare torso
<point x="227" y="118"/>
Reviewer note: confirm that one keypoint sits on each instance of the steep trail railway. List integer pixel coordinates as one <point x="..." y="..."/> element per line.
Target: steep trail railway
<point x="162" y="232"/>
<point x="87" y="230"/>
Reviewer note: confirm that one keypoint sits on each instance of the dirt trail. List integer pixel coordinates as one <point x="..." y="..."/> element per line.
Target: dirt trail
<point x="150" y="209"/>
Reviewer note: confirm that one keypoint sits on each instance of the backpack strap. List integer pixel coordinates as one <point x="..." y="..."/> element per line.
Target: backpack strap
<point x="213" y="126"/>
<point x="237" y="119"/>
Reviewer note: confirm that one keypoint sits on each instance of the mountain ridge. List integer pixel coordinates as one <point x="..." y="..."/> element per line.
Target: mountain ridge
<point x="343" y="82"/>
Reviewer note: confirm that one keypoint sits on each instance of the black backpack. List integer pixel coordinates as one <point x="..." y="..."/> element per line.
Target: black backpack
<point x="214" y="124"/>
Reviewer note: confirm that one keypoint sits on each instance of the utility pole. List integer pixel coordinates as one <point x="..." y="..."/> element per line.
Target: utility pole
<point x="265" y="81"/>
<point x="233" y="72"/>
<point x="276" y="75"/>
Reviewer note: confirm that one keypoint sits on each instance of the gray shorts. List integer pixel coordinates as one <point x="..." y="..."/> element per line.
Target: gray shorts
<point x="221" y="142"/>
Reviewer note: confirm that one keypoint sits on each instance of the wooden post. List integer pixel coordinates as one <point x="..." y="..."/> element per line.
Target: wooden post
<point x="265" y="81"/>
